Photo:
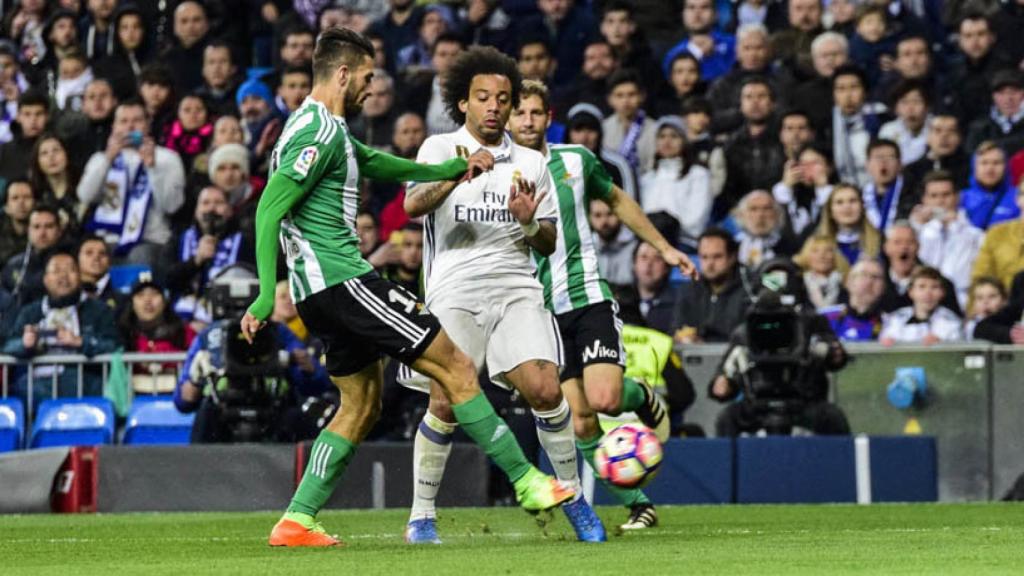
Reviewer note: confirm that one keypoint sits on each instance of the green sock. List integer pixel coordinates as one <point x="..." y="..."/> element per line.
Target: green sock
<point x="477" y="418"/>
<point x="633" y="395"/>
<point x="327" y="462"/>
<point x="628" y="496"/>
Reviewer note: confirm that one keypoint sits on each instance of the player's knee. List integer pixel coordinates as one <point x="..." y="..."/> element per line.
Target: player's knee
<point x="547" y="397"/>
<point x="441" y="409"/>
<point x="462" y="372"/>
<point x="604" y="398"/>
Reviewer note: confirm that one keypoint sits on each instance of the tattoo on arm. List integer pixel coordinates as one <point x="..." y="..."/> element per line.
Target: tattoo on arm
<point x="424" y="198"/>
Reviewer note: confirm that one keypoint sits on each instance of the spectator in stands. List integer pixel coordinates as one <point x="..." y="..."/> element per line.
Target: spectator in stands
<point x="534" y="58"/>
<point x="297" y="47"/>
<point x="62" y="322"/>
<point x="677" y="186"/>
<point x="387" y="198"/>
<point x="631" y="50"/>
<point x="73" y="75"/>
<point x="844" y="219"/>
<point x="156" y="90"/>
<point x="901" y="257"/>
<point x="853" y="125"/>
<point x="22" y="276"/>
<point x="715" y="50"/>
<point x="655" y="296"/>
<point x="55" y="178"/>
<point x="131" y="51"/>
<point x="753" y="59"/>
<point x="805" y="188"/>
<point x="615" y="244"/>
<point x="488" y="24"/>
<point x="149" y="325"/>
<point x="886" y="199"/>
<point x="925" y="321"/>
<point x="296" y="83"/>
<point x="60" y="37"/>
<point x="754" y="158"/>
<point x="796" y="131"/>
<point x="32" y="119"/>
<point x="376" y="252"/>
<point x="859" y="318"/>
<point x="87" y="131"/>
<point x="19" y="200"/>
<point x="762" y="233"/>
<point x="989" y="198"/>
<point x="870" y="42"/>
<point x="709" y="309"/>
<point x="185" y="56"/>
<point x="943" y="153"/>
<point x="819" y="259"/>
<point x="684" y="82"/>
<point x="12" y="84"/>
<point x="191" y="131"/>
<point x="211" y="244"/>
<point x="397" y="28"/>
<point x="135" y="186"/>
<point x="219" y="79"/>
<point x="97" y="29"/>
<point x="697" y="113"/>
<point x="1004" y="124"/>
<point x="829" y="51"/>
<point x="570" y="26"/>
<point x="406" y="271"/>
<point x="792" y="45"/>
<point x="987" y="297"/>
<point x="913" y="121"/>
<point x="435" y="20"/>
<point x="374" y="126"/>
<point x="586" y="129"/>
<point x="1005" y="326"/>
<point x="949" y="242"/>
<point x="229" y="171"/>
<point x="591" y="85"/>
<point x="629" y="130"/>
<point x="1000" y="255"/>
<point x="432" y="109"/>
<point x="94" y="271"/>
<point x="23" y="24"/>
<point x="259" y="117"/>
<point x="971" y="76"/>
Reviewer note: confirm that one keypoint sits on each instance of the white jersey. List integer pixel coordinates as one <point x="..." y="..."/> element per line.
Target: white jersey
<point x="471" y="240"/>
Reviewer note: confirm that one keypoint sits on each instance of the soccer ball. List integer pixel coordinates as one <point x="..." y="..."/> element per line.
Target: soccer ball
<point x="628" y="456"/>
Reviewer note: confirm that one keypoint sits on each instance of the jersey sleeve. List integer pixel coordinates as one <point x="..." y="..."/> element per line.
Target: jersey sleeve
<point x="435" y="150"/>
<point x="598" y="181"/>
<point x="306" y="158"/>
<point x="385" y="167"/>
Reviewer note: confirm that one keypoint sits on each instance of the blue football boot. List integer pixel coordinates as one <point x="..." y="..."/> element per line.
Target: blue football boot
<point x="422" y="531"/>
<point x="584" y="521"/>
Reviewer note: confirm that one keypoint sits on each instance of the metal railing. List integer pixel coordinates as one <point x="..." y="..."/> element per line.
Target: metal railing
<point x="130" y="359"/>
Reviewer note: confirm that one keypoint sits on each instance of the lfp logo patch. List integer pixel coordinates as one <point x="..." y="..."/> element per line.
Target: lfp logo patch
<point x="305" y="160"/>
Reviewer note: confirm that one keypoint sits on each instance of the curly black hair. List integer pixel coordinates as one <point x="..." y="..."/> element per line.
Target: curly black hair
<point x="474" y="62"/>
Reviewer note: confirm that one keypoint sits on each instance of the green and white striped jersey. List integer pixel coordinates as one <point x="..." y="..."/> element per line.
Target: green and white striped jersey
<point x="318" y="234"/>
<point x="570" y="275"/>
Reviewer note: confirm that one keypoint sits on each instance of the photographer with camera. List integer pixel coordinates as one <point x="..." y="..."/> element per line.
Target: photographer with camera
<point x="212" y="243"/>
<point x="779" y="359"/>
<point x="273" y="390"/>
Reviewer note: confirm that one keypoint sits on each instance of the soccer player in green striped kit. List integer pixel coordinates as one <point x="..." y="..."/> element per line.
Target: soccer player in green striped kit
<point x="587" y="315"/>
<point x="310" y="203"/>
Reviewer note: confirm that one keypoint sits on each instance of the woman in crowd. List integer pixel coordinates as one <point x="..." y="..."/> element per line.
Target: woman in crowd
<point x="824" y="269"/>
<point x="677" y="186"/>
<point x="192" y="131"/>
<point x="54" y="179"/>
<point x="845" y="222"/>
<point x="148" y="324"/>
<point x="805" y="187"/>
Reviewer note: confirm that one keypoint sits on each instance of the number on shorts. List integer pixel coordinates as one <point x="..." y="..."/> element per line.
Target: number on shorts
<point x="396" y="296"/>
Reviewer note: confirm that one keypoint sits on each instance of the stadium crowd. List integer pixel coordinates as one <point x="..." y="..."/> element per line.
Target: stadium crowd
<point x="879" y="144"/>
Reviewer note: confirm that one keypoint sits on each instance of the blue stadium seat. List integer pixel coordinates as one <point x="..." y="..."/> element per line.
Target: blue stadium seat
<point x="155" y="420"/>
<point x="73" y="422"/>
<point x="122" y="277"/>
<point x="12" y="423"/>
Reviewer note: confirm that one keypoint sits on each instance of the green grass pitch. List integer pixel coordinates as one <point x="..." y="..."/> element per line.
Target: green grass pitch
<point x="733" y="540"/>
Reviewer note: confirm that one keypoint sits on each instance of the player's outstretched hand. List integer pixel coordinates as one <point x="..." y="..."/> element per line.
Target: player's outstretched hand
<point x="250" y="326"/>
<point x="479" y="162"/>
<point x="679" y="260"/>
<point x="523" y="200"/>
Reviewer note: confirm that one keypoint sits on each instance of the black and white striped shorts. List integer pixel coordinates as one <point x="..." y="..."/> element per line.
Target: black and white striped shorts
<point x="363" y="319"/>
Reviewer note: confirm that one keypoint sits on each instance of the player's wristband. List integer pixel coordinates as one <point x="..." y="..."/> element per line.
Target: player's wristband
<point x="531" y="229"/>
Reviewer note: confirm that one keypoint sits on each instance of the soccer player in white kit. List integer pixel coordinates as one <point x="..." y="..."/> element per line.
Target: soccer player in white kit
<point x="479" y="278"/>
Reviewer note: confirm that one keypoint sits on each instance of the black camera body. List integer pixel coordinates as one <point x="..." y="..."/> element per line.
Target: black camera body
<point x="783" y="361"/>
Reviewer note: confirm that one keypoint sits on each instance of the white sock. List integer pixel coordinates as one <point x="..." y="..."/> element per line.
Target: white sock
<point x="556" y="435"/>
<point x="429" y="455"/>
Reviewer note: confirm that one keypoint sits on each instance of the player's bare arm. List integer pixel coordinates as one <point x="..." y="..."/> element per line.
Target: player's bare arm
<point x="425" y="198"/>
<point x="522" y="203"/>
<point x="632" y="215"/>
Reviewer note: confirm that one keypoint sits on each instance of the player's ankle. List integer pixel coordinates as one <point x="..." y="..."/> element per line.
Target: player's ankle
<point x="306" y="520"/>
